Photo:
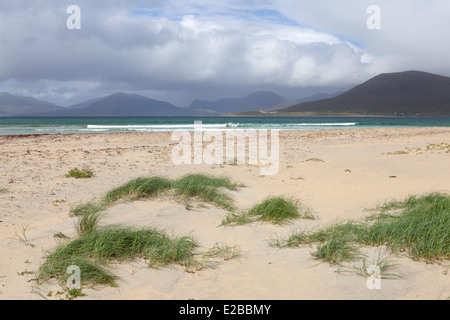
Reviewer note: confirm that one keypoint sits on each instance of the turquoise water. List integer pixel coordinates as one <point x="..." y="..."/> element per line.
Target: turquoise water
<point x="19" y="126"/>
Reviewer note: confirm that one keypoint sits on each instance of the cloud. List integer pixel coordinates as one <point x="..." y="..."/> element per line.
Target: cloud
<point x="411" y="34"/>
<point x="182" y="50"/>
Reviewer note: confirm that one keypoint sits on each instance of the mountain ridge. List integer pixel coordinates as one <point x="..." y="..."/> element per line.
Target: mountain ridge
<point x="130" y="104"/>
<point x="400" y="93"/>
<point x="387" y="94"/>
<point x="11" y="104"/>
<point x="121" y="104"/>
<point x="260" y="100"/>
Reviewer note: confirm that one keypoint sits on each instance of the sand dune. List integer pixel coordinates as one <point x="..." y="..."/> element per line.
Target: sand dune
<point x="360" y="169"/>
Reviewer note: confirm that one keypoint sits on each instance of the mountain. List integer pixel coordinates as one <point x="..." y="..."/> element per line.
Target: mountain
<point x="120" y="104"/>
<point x="319" y="96"/>
<point x="13" y="105"/>
<point x="401" y="93"/>
<point x="261" y="100"/>
<point x="123" y="104"/>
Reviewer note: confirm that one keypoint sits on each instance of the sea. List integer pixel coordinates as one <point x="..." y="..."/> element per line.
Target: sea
<point x="79" y="125"/>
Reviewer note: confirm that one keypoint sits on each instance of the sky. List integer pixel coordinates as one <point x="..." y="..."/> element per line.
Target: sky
<point x="181" y="50"/>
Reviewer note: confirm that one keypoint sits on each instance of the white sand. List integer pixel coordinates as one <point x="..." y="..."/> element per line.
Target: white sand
<point x="39" y="197"/>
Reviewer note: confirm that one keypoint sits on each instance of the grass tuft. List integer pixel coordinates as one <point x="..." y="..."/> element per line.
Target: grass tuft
<point x="138" y="188"/>
<point x="206" y="188"/>
<point x="277" y="210"/>
<point x="223" y="250"/>
<point x="422" y="227"/>
<point x="95" y="247"/>
<point x="87" y="223"/>
<point x="93" y="251"/>
<point x="383" y="267"/>
<point x="237" y="219"/>
<point x="87" y="209"/>
<point x="79" y="174"/>
<point x="419" y="225"/>
<point x="336" y="250"/>
<point x="92" y="272"/>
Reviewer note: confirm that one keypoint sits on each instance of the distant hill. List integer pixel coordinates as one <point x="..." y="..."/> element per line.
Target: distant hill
<point x="13" y="105"/>
<point x="319" y="96"/>
<point x="402" y="93"/>
<point x="261" y="100"/>
<point x="120" y="104"/>
<point x="123" y="104"/>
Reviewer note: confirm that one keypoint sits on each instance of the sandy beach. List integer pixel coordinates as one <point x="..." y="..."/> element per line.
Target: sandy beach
<point x="358" y="170"/>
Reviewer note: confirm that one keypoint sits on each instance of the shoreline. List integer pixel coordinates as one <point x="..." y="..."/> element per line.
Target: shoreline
<point x="10" y="136"/>
<point x="78" y="125"/>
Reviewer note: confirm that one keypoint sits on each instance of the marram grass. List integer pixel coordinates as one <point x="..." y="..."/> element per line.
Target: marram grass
<point x="95" y="247"/>
<point x="276" y="210"/>
<point x="87" y="209"/>
<point x="139" y="188"/>
<point x="422" y="228"/>
<point x="335" y="251"/>
<point x="204" y="187"/>
<point x="79" y="174"/>
<point x="223" y="250"/>
<point x="279" y="210"/>
<point x="419" y="225"/>
<point x="92" y="252"/>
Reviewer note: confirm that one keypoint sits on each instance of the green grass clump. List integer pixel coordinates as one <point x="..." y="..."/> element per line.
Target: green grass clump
<point x="93" y="251"/>
<point x="95" y="247"/>
<point x="277" y="210"/>
<point x="350" y="231"/>
<point x="122" y="243"/>
<point x="238" y="219"/>
<point x="438" y="147"/>
<point x="79" y="174"/>
<point x="139" y="188"/>
<point x="336" y="251"/>
<point x="87" y="223"/>
<point x="87" y="209"/>
<point x="422" y="227"/>
<point x="92" y="272"/>
<point x="206" y="188"/>
<point x="398" y="152"/>
<point x="419" y="225"/>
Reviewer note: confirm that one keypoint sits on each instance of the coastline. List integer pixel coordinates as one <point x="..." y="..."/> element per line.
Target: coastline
<point x="360" y="169"/>
<point x="329" y="114"/>
<point x="81" y="125"/>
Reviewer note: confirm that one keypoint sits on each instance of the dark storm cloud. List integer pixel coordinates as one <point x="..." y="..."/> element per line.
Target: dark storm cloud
<point x="178" y="50"/>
